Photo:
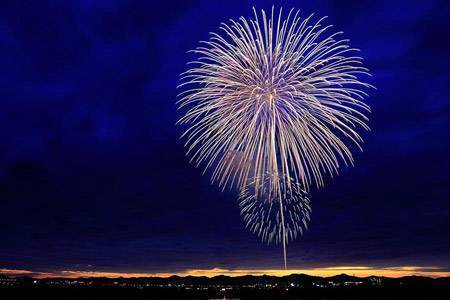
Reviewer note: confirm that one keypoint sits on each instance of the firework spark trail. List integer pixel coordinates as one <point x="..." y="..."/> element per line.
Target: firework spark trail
<point x="275" y="95"/>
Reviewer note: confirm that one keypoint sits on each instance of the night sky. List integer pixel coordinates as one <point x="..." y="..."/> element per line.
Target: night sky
<point x="93" y="175"/>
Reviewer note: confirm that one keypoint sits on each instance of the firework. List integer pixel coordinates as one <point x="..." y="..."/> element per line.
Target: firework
<point x="284" y="93"/>
<point x="272" y="105"/>
<point x="279" y="216"/>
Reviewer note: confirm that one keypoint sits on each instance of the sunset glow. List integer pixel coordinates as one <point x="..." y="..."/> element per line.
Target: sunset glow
<point x="360" y="271"/>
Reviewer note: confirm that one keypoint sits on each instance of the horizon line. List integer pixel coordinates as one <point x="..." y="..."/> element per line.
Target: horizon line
<point x="357" y="271"/>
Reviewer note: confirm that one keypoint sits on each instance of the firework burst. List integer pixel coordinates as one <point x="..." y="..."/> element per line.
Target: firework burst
<point x="279" y="216"/>
<point x="277" y="95"/>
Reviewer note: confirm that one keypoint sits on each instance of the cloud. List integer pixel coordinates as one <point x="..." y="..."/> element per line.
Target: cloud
<point x="28" y="273"/>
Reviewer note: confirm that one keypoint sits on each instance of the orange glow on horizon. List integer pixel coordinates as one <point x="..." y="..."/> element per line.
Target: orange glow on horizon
<point x="359" y="271"/>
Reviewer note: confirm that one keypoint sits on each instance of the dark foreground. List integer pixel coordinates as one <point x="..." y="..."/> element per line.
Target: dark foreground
<point x="295" y="286"/>
<point x="355" y="293"/>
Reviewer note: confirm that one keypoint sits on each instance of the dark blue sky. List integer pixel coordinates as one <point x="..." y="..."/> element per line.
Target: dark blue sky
<point x="92" y="171"/>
